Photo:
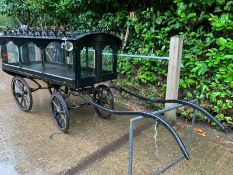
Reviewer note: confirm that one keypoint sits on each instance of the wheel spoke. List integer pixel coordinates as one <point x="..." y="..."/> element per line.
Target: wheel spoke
<point x="99" y="95"/>
<point x="22" y="87"/>
<point x="63" y="121"/>
<point x="25" y="91"/>
<point x="25" y="97"/>
<point x="102" y="93"/>
<point x="21" y="93"/>
<point x="62" y="112"/>
<point x="60" y="122"/>
<point x="21" y="100"/>
<point x="17" y="94"/>
<point x="25" y="103"/>
<point x="57" y="115"/>
<point x="103" y="96"/>
<point x="17" y="84"/>
<point x="56" y="106"/>
<point x="59" y="111"/>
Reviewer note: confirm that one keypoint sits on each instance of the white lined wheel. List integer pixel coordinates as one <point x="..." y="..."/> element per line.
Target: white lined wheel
<point x="22" y="93"/>
<point x="60" y="112"/>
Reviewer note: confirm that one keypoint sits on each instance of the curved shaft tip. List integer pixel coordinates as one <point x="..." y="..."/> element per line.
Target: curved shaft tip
<point x="187" y="156"/>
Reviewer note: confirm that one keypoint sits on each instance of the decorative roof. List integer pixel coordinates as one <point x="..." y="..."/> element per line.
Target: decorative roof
<point x="43" y="37"/>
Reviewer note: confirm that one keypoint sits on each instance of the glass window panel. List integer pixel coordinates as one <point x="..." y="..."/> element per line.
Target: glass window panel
<point x="58" y="61"/>
<point x="31" y="56"/>
<point x="87" y="56"/>
<point x="12" y="53"/>
<point x="54" y="53"/>
<point x="69" y="57"/>
<point x="34" y="52"/>
<point x="107" y="60"/>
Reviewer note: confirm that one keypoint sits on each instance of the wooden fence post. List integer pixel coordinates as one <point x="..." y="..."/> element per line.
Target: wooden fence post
<point x="173" y="75"/>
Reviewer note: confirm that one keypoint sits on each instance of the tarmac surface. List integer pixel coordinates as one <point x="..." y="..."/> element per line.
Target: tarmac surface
<point x="31" y="144"/>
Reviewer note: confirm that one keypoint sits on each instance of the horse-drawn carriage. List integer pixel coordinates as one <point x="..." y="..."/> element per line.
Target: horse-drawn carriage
<point x="72" y="64"/>
<point x="65" y="63"/>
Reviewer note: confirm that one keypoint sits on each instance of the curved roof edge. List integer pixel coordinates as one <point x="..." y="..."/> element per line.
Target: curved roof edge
<point x="75" y="36"/>
<point x="72" y="36"/>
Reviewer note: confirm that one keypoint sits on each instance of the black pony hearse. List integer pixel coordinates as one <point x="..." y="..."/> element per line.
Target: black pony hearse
<point x="66" y="62"/>
<point x="75" y="60"/>
<point x="72" y="63"/>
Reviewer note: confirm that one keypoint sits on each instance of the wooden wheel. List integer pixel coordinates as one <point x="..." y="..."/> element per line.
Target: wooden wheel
<point x="60" y="112"/>
<point x="104" y="97"/>
<point x="22" y="93"/>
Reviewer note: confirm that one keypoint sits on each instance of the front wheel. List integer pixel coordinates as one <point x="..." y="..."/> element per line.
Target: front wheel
<point x="103" y="96"/>
<point x="22" y="93"/>
<point x="60" y="112"/>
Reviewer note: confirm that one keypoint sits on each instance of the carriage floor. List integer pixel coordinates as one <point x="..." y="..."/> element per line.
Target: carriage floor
<point x="54" y="69"/>
<point x="62" y="70"/>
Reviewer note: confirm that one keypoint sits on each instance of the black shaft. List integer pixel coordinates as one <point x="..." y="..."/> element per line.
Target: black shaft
<point x="146" y="115"/>
<point x="194" y="106"/>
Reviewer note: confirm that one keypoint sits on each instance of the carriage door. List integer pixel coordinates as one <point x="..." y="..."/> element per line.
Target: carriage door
<point x="88" y="64"/>
<point x="97" y="63"/>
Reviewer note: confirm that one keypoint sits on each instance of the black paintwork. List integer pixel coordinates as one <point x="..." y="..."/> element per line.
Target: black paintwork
<point x="62" y="74"/>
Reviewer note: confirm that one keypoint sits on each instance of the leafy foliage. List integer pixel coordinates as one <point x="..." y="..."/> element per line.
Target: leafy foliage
<point x="7" y="22"/>
<point x="30" y="12"/>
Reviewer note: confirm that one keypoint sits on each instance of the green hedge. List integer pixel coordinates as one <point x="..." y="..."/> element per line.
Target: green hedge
<point x="207" y="62"/>
<point x="7" y="22"/>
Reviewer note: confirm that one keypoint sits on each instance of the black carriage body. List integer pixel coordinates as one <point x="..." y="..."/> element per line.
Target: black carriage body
<point x="93" y="58"/>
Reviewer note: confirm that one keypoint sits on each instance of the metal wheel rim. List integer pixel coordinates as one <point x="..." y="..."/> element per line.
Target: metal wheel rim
<point x="21" y="93"/>
<point x="59" y="113"/>
<point x="104" y="97"/>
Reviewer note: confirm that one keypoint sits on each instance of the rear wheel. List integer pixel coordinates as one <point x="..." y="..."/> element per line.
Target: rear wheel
<point x="104" y="97"/>
<point x="60" y="112"/>
<point x="22" y="93"/>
